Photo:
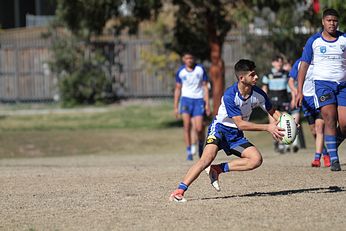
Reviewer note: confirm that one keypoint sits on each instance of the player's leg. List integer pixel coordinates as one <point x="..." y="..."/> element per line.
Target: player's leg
<point x="187" y="138"/>
<point x="209" y="154"/>
<point x="341" y="130"/>
<point x="194" y="138"/>
<point x="198" y="116"/>
<point x="329" y="115"/>
<point x="250" y="158"/>
<point x="319" y="144"/>
<point x="327" y="102"/>
<point x="198" y="122"/>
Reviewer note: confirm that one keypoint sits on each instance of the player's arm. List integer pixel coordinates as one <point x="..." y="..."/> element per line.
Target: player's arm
<point x="206" y="97"/>
<point x="265" y="88"/>
<point x="301" y="78"/>
<point x="250" y="126"/>
<point x="177" y="93"/>
<point x="293" y="92"/>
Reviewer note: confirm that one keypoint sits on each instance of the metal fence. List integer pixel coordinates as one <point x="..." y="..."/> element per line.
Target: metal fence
<point x="25" y="75"/>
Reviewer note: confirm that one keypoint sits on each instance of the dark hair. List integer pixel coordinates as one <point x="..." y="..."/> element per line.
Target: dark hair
<point x="244" y="65"/>
<point x="189" y="52"/>
<point x="277" y="57"/>
<point x="332" y="12"/>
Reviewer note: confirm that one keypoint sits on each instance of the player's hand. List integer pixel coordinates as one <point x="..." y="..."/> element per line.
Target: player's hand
<point x="293" y="103"/>
<point x="299" y="99"/>
<point x="207" y="110"/>
<point x="276" y="131"/>
<point x="176" y="113"/>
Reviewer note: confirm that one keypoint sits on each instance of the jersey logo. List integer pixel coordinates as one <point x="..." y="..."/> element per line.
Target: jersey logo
<point x="211" y="139"/>
<point x="323" y="49"/>
<point x="342" y="47"/>
<point x="325" y="97"/>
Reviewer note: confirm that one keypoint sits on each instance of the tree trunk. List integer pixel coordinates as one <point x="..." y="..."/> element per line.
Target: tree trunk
<point x="217" y="74"/>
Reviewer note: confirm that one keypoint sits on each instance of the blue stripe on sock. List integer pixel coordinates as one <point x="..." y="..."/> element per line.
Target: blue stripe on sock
<point x="224" y="167"/>
<point x="183" y="186"/>
<point x="188" y="150"/>
<point x="330" y="142"/>
<point x="317" y="156"/>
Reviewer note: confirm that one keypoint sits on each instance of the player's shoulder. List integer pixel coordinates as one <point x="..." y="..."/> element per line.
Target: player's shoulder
<point x="341" y="34"/>
<point x="180" y="69"/>
<point x="314" y="37"/>
<point x="231" y="90"/>
<point x="258" y="92"/>
<point x="199" y="67"/>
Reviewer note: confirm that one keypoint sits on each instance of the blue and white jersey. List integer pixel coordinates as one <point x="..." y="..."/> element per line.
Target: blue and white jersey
<point x="329" y="57"/>
<point x="309" y="86"/>
<point x="233" y="104"/>
<point x="191" y="81"/>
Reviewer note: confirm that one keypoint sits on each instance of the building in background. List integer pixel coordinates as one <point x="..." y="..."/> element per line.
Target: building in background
<point x="26" y="13"/>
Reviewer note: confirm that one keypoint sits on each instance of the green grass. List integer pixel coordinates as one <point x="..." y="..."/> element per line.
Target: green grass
<point x="140" y="116"/>
<point x="121" y="129"/>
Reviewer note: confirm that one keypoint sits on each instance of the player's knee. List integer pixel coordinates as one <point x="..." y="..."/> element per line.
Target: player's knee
<point x="255" y="162"/>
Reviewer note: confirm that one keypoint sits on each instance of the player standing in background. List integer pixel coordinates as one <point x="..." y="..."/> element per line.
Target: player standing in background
<point x="275" y="85"/>
<point x="226" y="131"/>
<point x="299" y="142"/>
<point x="312" y="115"/>
<point x="327" y="51"/>
<point x="191" y="89"/>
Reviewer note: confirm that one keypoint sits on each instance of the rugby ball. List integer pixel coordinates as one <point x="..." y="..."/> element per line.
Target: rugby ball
<point x="286" y="121"/>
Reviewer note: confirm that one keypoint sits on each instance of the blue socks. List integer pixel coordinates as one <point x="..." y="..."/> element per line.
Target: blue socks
<point x="317" y="156"/>
<point x="224" y="167"/>
<point x="183" y="186"/>
<point x="331" y="145"/>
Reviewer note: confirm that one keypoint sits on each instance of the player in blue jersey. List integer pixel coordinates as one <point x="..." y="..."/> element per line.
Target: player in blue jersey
<point x="226" y="130"/>
<point x="327" y="50"/>
<point x="275" y="85"/>
<point x="192" y="93"/>
<point x="311" y="114"/>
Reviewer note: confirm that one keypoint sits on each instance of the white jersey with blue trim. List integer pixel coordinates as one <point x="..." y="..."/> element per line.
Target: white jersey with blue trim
<point x="309" y="85"/>
<point x="329" y="57"/>
<point x="192" y="81"/>
<point x="233" y="104"/>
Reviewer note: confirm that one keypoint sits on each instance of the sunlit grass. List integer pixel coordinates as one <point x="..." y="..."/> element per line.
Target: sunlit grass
<point x="141" y="116"/>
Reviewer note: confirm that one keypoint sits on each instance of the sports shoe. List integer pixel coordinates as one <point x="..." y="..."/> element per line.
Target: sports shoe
<point x="326" y="161"/>
<point x="316" y="163"/>
<point x="189" y="157"/>
<point x="335" y="165"/>
<point x="214" y="177"/>
<point x="177" y="196"/>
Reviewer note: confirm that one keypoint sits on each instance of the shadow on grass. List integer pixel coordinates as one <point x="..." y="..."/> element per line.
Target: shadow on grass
<point x="330" y="189"/>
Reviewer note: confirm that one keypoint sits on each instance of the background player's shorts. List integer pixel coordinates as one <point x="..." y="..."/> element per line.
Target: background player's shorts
<point x="193" y="107"/>
<point x="311" y="113"/>
<point x="329" y="92"/>
<point x="231" y="140"/>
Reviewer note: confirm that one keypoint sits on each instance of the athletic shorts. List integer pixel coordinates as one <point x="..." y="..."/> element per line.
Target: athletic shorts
<point x="311" y="113"/>
<point x="329" y="92"/>
<point x="229" y="139"/>
<point x="193" y="107"/>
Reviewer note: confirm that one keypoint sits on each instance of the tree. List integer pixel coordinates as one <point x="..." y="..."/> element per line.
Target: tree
<point x="201" y="27"/>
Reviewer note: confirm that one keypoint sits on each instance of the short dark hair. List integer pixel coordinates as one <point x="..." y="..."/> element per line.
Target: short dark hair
<point x="244" y="65"/>
<point x="276" y="57"/>
<point x="330" y="11"/>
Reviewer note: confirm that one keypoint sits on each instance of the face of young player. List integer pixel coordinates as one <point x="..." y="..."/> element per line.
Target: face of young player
<point x="330" y="24"/>
<point x="189" y="60"/>
<point x="278" y="64"/>
<point x="250" y="78"/>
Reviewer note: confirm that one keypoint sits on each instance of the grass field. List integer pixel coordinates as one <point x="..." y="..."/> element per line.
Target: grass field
<point x="77" y="170"/>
